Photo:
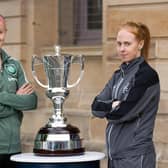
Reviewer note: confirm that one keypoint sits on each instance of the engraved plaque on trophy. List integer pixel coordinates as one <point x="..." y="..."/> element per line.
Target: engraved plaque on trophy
<point x="57" y="138"/>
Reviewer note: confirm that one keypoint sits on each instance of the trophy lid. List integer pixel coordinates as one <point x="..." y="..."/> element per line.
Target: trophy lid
<point x="57" y="50"/>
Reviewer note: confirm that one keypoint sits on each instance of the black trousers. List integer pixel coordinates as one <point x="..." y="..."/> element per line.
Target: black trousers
<point x="142" y="161"/>
<point x="5" y="161"/>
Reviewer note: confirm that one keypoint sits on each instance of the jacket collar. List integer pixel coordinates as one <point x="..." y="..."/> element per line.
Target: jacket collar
<point x="126" y="67"/>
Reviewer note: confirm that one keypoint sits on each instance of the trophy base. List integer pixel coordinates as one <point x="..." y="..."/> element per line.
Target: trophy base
<point x="58" y="141"/>
<point x="74" y="152"/>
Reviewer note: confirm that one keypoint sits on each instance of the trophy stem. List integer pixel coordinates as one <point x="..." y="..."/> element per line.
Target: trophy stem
<point x="58" y="106"/>
<point x="57" y="119"/>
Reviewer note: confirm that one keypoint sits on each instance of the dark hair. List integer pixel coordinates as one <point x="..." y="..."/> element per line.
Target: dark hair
<point x="141" y="32"/>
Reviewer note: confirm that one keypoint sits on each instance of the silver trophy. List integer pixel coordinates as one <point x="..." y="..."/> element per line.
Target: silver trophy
<point x="57" y="137"/>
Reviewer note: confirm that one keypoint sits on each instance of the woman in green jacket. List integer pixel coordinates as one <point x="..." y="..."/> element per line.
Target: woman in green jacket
<point x="16" y="94"/>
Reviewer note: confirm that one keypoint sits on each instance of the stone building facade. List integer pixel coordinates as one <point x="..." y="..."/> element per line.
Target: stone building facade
<point x="35" y="26"/>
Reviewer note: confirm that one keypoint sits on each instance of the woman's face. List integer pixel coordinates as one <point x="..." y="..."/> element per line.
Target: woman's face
<point x="128" y="47"/>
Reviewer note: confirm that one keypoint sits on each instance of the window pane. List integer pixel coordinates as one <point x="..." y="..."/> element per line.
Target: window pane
<point x="94" y="14"/>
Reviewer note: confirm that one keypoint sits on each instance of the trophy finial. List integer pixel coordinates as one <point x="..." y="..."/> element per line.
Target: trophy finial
<point x="57" y="50"/>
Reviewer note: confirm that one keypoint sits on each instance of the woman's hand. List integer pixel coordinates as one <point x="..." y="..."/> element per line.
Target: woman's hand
<point x="26" y="88"/>
<point x="115" y="104"/>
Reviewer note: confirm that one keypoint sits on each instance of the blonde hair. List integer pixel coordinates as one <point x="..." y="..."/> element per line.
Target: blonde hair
<point x="141" y="32"/>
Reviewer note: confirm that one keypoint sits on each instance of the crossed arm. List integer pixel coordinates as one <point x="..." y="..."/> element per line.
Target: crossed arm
<point x="26" y="88"/>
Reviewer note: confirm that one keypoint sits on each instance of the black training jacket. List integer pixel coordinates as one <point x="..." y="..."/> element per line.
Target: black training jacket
<point x="130" y="125"/>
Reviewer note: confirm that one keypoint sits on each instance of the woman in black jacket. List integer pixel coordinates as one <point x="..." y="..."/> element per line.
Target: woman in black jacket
<point x="130" y="101"/>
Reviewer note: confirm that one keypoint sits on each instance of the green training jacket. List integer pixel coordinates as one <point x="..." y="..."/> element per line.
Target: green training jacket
<point x="12" y="77"/>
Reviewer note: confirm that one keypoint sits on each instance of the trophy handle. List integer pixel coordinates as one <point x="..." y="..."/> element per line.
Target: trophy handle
<point x="34" y="72"/>
<point x="77" y="60"/>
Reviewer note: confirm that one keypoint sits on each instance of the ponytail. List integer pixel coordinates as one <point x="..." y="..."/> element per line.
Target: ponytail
<point x="146" y="37"/>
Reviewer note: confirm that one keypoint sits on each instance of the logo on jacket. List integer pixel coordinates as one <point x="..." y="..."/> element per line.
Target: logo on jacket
<point x="11" y="69"/>
<point x="126" y="88"/>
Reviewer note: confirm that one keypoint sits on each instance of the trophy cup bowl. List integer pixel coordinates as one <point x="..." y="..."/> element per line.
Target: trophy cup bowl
<point x="57" y="138"/>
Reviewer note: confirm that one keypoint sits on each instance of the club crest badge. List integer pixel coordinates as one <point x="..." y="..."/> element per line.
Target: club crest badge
<point x="11" y="69"/>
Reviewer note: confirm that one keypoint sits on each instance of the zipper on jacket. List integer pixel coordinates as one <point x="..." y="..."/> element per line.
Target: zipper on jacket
<point x="119" y="83"/>
<point x="108" y="141"/>
<point x="137" y="125"/>
<point x="142" y="158"/>
<point x="115" y="97"/>
<point x="117" y="87"/>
